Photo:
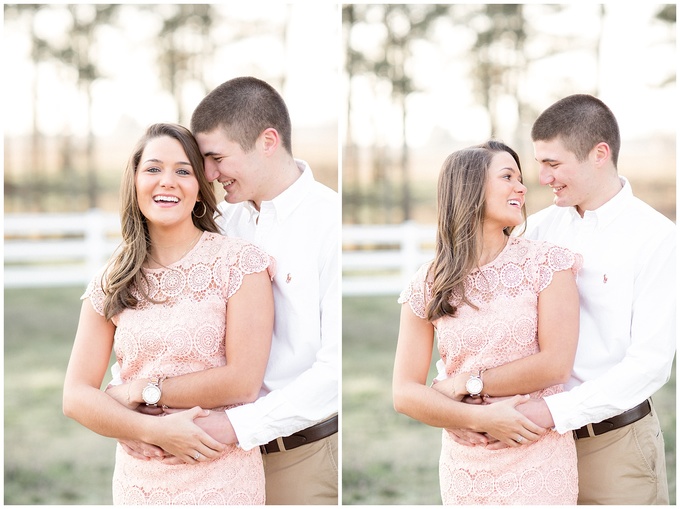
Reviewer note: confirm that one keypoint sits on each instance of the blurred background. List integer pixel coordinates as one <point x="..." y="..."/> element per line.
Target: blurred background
<point x="83" y="83"/>
<point x="421" y="81"/>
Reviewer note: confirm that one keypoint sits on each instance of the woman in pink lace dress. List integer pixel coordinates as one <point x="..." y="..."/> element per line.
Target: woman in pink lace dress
<point x="177" y="298"/>
<point x="505" y="313"/>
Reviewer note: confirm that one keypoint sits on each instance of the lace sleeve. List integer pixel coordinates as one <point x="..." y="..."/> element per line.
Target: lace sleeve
<point x="416" y="292"/>
<point x="95" y="293"/>
<point x="247" y="259"/>
<point x="553" y="259"/>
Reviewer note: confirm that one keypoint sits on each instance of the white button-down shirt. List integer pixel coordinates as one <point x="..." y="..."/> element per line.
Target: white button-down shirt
<point x="300" y="228"/>
<point x="627" y="296"/>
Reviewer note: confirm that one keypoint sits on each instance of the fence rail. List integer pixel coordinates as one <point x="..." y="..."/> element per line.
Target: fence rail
<point x="43" y="250"/>
<point x="380" y="259"/>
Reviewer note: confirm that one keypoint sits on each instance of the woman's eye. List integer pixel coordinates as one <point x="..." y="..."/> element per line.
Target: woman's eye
<point x="182" y="171"/>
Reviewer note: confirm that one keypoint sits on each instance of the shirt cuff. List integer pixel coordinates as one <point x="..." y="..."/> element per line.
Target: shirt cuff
<point x="557" y="404"/>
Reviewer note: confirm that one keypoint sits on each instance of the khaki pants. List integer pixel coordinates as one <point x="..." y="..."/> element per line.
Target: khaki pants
<point x="624" y="466"/>
<point x="305" y="475"/>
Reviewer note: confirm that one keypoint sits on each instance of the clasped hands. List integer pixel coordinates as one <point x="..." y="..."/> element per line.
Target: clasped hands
<point x="181" y="436"/>
<point x="506" y="425"/>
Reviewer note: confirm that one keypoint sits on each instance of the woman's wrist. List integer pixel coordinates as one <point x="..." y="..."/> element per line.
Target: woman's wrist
<point x="135" y="390"/>
<point x="459" y="385"/>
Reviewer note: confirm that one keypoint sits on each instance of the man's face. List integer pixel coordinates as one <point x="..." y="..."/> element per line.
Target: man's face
<point x="240" y="173"/>
<point x="571" y="181"/>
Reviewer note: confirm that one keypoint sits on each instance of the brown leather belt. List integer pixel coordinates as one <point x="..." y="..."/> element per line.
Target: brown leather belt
<point x="616" y="422"/>
<point x="306" y="436"/>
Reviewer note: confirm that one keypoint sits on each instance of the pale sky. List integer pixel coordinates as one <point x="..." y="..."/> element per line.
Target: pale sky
<point x="133" y="89"/>
<point x="634" y="60"/>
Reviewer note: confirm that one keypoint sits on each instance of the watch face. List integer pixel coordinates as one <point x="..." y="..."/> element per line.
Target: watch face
<point x="474" y="386"/>
<point x="151" y="394"/>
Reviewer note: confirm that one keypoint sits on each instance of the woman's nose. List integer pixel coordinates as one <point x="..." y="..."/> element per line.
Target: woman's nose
<point x="167" y="179"/>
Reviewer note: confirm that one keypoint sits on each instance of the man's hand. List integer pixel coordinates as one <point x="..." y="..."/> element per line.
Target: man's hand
<point x="218" y="426"/>
<point x="178" y="434"/>
<point x="215" y="424"/>
<point x="537" y="410"/>
<point x="508" y="425"/>
<point x="534" y="409"/>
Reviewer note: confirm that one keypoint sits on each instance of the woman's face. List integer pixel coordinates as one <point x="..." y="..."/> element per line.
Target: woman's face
<point x="167" y="188"/>
<point x="505" y="193"/>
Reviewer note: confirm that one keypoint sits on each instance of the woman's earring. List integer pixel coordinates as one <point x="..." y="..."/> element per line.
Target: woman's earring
<point x="205" y="210"/>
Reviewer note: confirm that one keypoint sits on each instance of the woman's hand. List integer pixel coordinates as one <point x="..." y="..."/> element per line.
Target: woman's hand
<point x="128" y="394"/>
<point x="454" y="388"/>
<point x="509" y="426"/>
<point x="470" y="438"/>
<point x="143" y="451"/>
<point x="179" y="436"/>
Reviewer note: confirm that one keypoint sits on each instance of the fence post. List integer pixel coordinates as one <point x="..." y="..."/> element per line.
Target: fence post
<point x="95" y="240"/>
<point x="410" y="250"/>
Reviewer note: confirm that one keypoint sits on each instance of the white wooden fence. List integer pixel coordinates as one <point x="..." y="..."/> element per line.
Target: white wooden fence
<point x="43" y="250"/>
<point x="381" y="259"/>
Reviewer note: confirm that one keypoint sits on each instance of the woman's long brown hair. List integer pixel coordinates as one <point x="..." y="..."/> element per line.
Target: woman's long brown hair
<point x="460" y="209"/>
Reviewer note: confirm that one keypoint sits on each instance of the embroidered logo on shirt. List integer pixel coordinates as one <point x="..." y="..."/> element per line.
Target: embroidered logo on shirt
<point x="288" y="278"/>
<point x="604" y="279"/>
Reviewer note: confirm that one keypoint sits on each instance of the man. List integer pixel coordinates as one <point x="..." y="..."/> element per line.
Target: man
<point x="272" y="200"/>
<point x="627" y="308"/>
<point x="627" y="293"/>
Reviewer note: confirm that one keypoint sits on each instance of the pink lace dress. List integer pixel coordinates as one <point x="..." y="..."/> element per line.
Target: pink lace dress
<point x="502" y="330"/>
<point x="183" y="334"/>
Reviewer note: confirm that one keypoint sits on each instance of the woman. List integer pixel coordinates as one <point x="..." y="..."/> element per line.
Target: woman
<point x="176" y="298"/>
<point x="505" y="311"/>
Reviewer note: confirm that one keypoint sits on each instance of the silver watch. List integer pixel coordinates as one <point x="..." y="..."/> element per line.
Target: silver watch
<point x="474" y="384"/>
<point x="151" y="394"/>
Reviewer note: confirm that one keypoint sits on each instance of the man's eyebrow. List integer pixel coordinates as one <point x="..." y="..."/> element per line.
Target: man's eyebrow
<point x="546" y="160"/>
<point x="208" y="154"/>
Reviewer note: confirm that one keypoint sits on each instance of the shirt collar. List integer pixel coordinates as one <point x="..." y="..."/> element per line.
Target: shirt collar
<point x="283" y="204"/>
<point x="606" y="212"/>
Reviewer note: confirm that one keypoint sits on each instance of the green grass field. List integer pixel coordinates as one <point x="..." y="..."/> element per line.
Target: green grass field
<point x="49" y="459"/>
<point x="389" y="458"/>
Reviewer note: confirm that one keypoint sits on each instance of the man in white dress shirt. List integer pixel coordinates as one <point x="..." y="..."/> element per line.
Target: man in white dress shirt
<point x="627" y="292"/>
<point x="272" y="200"/>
